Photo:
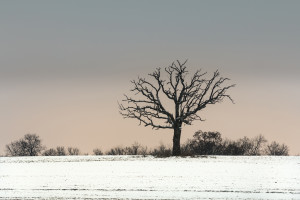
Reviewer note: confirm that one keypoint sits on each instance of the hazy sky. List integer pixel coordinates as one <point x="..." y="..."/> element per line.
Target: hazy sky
<point x="65" y="64"/>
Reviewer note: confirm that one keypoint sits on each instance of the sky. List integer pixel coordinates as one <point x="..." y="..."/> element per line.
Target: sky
<point x="64" y="65"/>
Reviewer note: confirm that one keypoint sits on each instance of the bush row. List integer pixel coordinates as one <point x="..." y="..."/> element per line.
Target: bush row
<point x="202" y="143"/>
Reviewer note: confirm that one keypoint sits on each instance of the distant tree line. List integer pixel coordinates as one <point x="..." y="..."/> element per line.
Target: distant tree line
<point x="212" y="143"/>
<point x="209" y="143"/>
<point x="202" y="143"/>
<point x="61" y="151"/>
<point x="31" y="145"/>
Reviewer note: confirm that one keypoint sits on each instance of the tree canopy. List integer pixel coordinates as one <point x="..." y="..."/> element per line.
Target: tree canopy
<point x="170" y="99"/>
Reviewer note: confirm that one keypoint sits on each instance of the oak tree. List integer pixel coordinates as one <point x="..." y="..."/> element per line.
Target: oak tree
<point x="172" y="98"/>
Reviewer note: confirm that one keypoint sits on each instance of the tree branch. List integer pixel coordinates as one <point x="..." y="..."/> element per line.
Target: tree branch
<point x="189" y="97"/>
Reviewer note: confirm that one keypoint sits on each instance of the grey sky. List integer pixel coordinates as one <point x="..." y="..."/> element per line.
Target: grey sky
<point x="56" y="51"/>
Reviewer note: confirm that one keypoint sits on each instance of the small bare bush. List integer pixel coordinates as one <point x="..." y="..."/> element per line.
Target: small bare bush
<point x="134" y="149"/>
<point x="257" y="145"/>
<point x="161" y="151"/>
<point x="50" y="152"/>
<point x="61" y="151"/>
<point x="232" y="148"/>
<point x="206" y="143"/>
<point x="116" y="151"/>
<point x="73" y="151"/>
<point x="275" y="149"/>
<point x="97" y="152"/>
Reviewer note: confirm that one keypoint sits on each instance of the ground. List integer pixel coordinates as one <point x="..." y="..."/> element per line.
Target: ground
<point x="137" y="177"/>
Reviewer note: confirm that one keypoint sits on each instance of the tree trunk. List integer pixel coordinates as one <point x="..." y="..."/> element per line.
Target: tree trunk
<point x="176" y="140"/>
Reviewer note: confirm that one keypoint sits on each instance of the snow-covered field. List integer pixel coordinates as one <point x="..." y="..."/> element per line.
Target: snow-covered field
<point x="134" y="177"/>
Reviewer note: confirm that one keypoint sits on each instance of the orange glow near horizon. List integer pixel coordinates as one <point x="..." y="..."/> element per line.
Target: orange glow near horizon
<point x="64" y="67"/>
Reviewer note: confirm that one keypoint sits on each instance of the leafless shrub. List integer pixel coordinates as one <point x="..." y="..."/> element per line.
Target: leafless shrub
<point x="206" y="143"/>
<point x="61" y="151"/>
<point x="30" y="145"/>
<point x="258" y="143"/>
<point x="143" y="151"/>
<point x="97" y="152"/>
<point x="50" y="152"/>
<point x="246" y="145"/>
<point x="73" y="151"/>
<point x="161" y="151"/>
<point x="232" y="148"/>
<point x="134" y="149"/>
<point x="186" y="149"/>
<point x="275" y="149"/>
<point x="116" y="151"/>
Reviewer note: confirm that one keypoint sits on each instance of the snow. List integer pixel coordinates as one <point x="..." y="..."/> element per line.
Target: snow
<point x="137" y="177"/>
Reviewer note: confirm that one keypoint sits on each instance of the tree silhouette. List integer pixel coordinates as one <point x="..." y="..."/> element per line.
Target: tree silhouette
<point x="73" y="151"/>
<point x="30" y="145"/>
<point x="275" y="149"/>
<point x="153" y="99"/>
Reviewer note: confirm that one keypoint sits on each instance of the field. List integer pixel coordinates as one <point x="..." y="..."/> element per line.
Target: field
<point x="136" y="177"/>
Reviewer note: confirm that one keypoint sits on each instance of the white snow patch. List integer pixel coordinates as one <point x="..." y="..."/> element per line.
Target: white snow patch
<point x="137" y="177"/>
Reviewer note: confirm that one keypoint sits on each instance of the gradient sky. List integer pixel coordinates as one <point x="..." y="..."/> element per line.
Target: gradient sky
<point x="65" y="64"/>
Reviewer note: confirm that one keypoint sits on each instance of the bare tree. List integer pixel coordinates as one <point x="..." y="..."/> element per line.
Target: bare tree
<point x="73" y="151"/>
<point x="257" y="145"/>
<point x="143" y="150"/>
<point x="246" y="145"/>
<point x="275" y="149"/>
<point x="161" y="151"/>
<point x="116" y="151"/>
<point x="97" y="152"/>
<point x="206" y="143"/>
<point x="61" y="151"/>
<point x="50" y="152"/>
<point x="30" y="145"/>
<point x="188" y="96"/>
<point x="134" y="149"/>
